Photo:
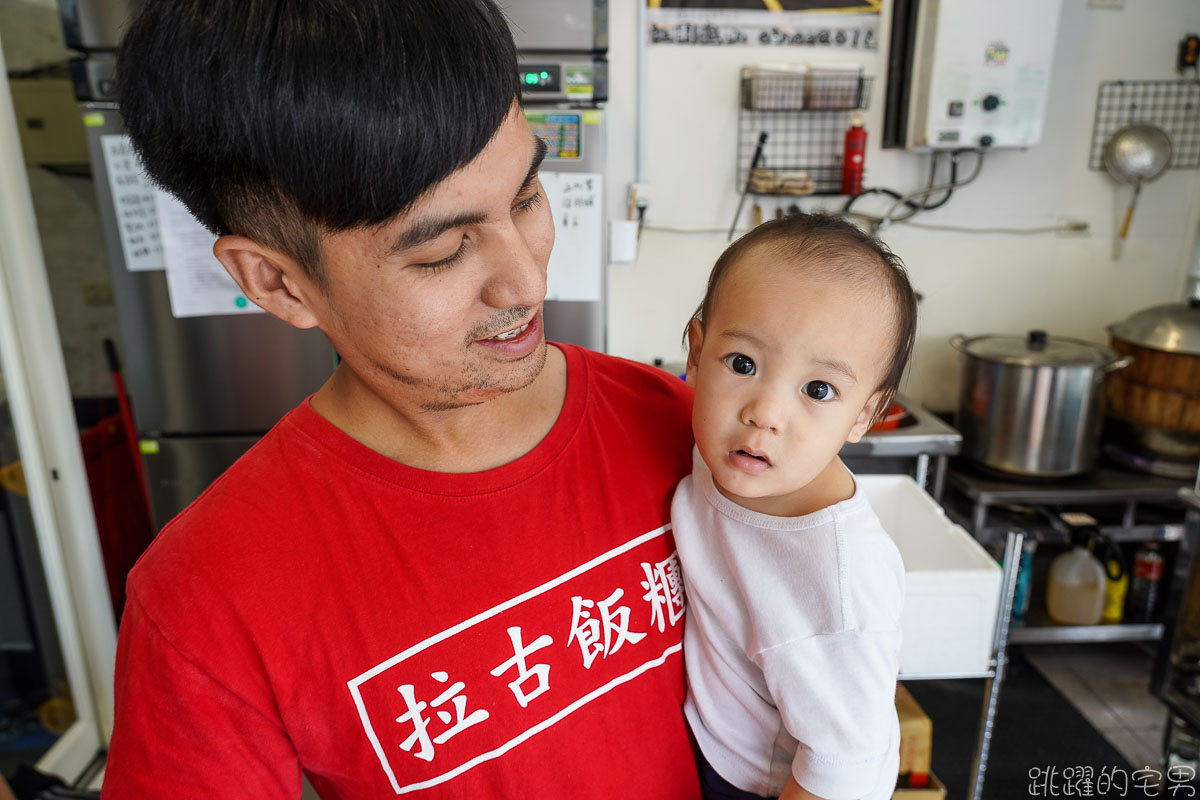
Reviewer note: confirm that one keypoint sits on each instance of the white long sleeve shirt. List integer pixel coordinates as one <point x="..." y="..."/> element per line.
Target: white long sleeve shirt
<point x="792" y="642"/>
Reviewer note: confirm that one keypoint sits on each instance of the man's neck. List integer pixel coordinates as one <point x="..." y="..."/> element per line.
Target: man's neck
<point x="469" y="439"/>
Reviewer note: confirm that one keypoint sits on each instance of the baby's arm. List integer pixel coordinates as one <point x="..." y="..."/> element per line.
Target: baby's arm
<point x="836" y="696"/>
<point x="794" y="791"/>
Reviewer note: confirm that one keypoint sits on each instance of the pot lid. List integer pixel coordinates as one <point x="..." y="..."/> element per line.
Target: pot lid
<point x="1037" y="349"/>
<point x="1174" y="327"/>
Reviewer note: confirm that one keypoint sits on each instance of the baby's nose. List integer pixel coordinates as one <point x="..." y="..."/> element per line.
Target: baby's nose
<point x="762" y="413"/>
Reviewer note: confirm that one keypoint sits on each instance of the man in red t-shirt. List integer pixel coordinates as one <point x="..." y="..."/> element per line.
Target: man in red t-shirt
<point x="448" y="573"/>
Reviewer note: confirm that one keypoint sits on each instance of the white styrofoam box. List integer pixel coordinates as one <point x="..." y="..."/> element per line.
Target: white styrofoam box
<point x="953" y="586"/>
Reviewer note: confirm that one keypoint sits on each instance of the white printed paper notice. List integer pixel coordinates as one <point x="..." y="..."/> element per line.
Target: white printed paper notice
<point x="133" y="203"/>
<point x="196" y="282"/>
<point x="577" y="262"/>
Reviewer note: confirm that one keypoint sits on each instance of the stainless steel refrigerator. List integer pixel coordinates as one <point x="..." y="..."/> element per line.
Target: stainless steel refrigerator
<point x="562" y="48"/>
<point x="205" y="388"/>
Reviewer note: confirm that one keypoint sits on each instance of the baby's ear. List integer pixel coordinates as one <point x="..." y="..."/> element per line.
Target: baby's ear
<point x="863" y="422"/>
<point x="695" y="342"/>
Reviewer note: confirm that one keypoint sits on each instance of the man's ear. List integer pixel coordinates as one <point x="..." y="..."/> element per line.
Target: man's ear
<point x="270" y="279"/>
<point x="695" y="342"/>
<point x="863" y="422"/>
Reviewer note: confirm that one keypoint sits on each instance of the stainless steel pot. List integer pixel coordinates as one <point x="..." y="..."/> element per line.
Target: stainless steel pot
<point x="1031" y="405"/>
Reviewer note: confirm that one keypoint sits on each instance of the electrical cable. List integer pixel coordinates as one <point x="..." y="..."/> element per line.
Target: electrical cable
<point x="1013" y="231"/>
<point x="932" y="174"/>
<point x="880" y="223"/>
<point x="896" y="195"/>
<point x="887" y="218"/>
<point x="908" y="200"/>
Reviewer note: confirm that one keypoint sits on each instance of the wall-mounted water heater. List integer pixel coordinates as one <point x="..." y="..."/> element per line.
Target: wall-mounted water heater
<point x="969" y="73"/>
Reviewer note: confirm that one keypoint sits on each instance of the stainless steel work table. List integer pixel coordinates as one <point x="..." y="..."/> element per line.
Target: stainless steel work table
<point x="924" y="438"/>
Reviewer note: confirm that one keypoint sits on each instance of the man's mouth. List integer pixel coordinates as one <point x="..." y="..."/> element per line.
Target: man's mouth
<point x="500" y="337"/>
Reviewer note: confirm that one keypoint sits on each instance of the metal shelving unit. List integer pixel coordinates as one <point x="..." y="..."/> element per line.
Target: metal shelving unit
<point x="1184" y="706"/>
<point x="933" y="442"/>
<point x="1127" y="493"/>
<point x="805" y="116"/>
<point x="1038" y="628"/>
<point x="995" y="506"/>
<point x="1006" y="632"/>
<point x="994" y="676"/>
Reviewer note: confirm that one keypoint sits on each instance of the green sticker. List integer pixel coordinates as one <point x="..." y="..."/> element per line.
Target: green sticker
<point x="149" y="447"/>
<point x="241" y="302"/>
<point x="578" y="84"/>
<point x="93" y="119"/>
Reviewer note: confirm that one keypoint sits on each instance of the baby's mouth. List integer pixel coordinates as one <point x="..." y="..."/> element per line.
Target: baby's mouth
<point x="755" y="455"/>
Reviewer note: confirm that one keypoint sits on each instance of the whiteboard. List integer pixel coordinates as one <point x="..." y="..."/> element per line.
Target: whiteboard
<point x="576" y="267"/>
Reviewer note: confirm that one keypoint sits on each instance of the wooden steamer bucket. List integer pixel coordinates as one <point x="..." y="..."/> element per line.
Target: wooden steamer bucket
<point x="1158" y="389"/>
<point x="1156" y="400"/>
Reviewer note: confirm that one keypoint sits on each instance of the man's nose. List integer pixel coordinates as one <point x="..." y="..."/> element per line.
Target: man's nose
<point x="518" y="277"/>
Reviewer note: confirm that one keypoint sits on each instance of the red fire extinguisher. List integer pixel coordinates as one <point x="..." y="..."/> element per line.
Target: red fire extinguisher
<point x="854" y="155"/>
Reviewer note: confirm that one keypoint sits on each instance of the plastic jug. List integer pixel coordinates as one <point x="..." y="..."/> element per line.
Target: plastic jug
<point x="1075" y="592"/>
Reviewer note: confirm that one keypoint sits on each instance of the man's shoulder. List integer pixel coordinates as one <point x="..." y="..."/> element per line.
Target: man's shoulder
<point x="651" y="388"/>
<point x="265" y="488"/>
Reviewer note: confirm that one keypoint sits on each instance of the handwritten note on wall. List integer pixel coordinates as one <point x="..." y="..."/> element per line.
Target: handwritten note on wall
<point x="133" y="201"/>
<point x="196" y="282"/>
<point x="577" y="262"/>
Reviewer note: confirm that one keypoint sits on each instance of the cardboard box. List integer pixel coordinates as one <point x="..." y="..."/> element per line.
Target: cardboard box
<point x="952" y="597"/>
<point x="916" y="738"/>
<point x="49" y="122"/>
<point x="934" y="791"/>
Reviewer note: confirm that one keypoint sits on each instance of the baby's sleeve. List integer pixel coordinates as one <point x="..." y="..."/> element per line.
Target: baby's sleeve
<point x="836" y="696"/>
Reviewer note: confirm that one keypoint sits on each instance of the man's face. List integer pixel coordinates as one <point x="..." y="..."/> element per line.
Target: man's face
<point x="785" y="372"/>
<point x="442" y="307"/>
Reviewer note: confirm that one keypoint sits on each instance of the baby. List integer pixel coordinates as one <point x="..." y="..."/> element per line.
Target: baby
<point x="794" y="589"/>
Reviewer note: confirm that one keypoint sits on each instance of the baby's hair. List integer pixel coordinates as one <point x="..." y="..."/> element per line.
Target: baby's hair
<point x="837" y="248"/>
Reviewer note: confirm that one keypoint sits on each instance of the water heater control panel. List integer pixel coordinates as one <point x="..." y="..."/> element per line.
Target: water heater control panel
<point x="980" y="73"/>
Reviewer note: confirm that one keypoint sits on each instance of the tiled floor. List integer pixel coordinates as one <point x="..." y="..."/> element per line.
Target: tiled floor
<point x="1110" y="685"/>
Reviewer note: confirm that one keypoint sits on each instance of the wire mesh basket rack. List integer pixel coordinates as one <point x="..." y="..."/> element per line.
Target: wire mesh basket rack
<point x="1173" y="105"/>
<point x="805" y="113"/>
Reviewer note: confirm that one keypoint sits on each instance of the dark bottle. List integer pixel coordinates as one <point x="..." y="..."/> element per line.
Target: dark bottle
<point x="1144" y="588"/>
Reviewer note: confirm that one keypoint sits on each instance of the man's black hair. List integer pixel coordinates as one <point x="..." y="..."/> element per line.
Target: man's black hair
<point x="281" y="120"/>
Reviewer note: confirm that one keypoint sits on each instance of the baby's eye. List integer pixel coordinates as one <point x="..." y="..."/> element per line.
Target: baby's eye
<point x="819" y="390"/>
<point x="740" y="364"/>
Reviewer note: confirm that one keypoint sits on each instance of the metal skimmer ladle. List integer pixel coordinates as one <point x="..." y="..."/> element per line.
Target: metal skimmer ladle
<point x="1137" y="154"/>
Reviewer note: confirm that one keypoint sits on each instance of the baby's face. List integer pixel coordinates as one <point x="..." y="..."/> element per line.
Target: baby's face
<point x="785" y="372"/>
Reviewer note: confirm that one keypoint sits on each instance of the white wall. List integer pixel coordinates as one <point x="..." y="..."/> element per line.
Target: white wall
<point x="972" y="283"/>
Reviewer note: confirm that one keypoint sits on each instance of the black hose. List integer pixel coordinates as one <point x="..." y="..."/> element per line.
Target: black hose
<point x="915" y="206"/>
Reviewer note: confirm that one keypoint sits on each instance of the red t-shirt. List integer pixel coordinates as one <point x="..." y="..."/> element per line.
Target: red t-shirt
<point x="506" y="634"/>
